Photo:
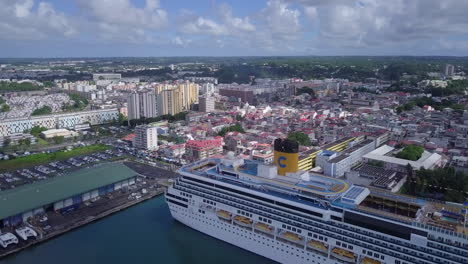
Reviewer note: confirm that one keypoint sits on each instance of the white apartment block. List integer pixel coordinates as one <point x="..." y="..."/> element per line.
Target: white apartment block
<point x="67" y="120"/>
<point x="206" y="104"/>
<point x="146" y="137"/>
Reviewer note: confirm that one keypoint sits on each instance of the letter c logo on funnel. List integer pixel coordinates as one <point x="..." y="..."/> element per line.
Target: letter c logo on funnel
<point x="281" y="158"/>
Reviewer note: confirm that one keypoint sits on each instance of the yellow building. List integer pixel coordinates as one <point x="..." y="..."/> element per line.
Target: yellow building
<point x="307" y="159"/>
<point x="176" y="98"/>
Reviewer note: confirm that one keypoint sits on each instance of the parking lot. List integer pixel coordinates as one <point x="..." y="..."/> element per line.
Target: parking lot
<point x="19" y="177"/>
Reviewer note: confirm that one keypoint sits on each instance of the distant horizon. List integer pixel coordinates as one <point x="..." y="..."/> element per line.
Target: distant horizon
<point x="237" y="56"/>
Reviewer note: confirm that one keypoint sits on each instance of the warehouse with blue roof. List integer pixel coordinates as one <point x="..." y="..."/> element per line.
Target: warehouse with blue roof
<point x="63" y="193"/>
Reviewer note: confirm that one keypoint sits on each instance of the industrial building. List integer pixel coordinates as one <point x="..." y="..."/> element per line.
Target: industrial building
<point x="307" y="158"/>
<point x="62" y="193"/>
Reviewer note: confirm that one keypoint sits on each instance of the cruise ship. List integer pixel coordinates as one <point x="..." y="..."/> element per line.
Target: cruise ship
<point x="292" y="216"/>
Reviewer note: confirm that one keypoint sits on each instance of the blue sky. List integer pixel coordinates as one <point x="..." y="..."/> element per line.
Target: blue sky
<point x="102" y="28"/>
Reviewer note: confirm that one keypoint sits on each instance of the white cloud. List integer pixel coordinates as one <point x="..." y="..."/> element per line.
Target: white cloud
<point x="20" y="20"/>
<point x="373" y="22"/>
<point x="229" y="25"/>
<point x="121" y="20"/>
<point x="203" y="26"/>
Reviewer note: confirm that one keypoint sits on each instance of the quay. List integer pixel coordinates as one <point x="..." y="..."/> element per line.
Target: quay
<point x="55" y="219"/>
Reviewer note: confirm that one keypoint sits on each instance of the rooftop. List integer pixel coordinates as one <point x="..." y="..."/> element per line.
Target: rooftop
<point x="426" y="161"/>
<point x="32" y="196"/>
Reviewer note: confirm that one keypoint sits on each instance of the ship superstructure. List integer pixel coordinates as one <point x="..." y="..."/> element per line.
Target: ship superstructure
<point x="302" y="217"/>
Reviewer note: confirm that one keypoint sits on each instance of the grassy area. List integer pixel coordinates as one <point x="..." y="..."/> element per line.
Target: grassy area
<point x="41" y="158"/>
<point x="42" y="142"/>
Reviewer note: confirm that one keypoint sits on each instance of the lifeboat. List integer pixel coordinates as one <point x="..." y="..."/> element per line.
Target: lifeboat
<point x="243" y="221"/>
<point x="264" y="227"/>
<point x="343" y="254"/>
<point x="317" y="245"/>
<point x="291" y="237"/>
<point x="224" y="215"/>
<point x="367" y="260"/>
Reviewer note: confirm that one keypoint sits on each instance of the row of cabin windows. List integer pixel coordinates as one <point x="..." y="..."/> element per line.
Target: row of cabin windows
<point x="375" y="255"/>
<point x="186" y="195"/>
<point x="201" y="211"/>
<point x="244" y="213"/>
<point x="318" y="237"/>
<point x="292" y="229"/>
<point x="338" y="243"/>
<point x="263" y="219"/>
<point x="209" y="202"/>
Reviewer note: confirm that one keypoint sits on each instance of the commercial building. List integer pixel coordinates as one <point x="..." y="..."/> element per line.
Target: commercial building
<point x="61" y="132"/>
<point x="206" y="104"/>
<point x="307" y="158"/>
<point x="146" y="137"/>
<point x="336" y="164"/>
<point x="385" y="153"/>
<point x="62" y="193"/>
<point x="68" y="120"/>
<point x="200" y="149"/>
<point x="107" y="76"/>
<point x="141" y="104"/>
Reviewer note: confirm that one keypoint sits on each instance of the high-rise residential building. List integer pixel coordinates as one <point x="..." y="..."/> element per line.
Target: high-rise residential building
<point x="208" y="88"/>
<point x="206" y="104"/>
<point x="449" y="70"/>
<point x="146" y="137"/>
<point x="141" y="104"/>
<point x="176" y="98"/>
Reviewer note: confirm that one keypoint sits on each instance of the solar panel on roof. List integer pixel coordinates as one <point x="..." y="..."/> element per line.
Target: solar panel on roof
<point x="354" y="192"/>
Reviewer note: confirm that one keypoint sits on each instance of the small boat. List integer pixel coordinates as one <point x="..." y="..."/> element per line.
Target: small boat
<point x="264" y="227"/>
<point x="25" y="232"/>
<point x="367" y="260"/>
<point x="343" y="254"/>
<point x="7" y="239"/>
<point x="291" y="237"/>
<point x="317" y="245"/>
<point x="243" y="221"/>
<point x="224" y="215"/>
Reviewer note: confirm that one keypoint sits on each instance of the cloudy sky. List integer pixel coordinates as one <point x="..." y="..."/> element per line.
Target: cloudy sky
<point x="75" y="28"/>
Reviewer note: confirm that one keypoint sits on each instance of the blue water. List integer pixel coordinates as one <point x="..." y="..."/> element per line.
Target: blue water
<point x="145" y="233"/>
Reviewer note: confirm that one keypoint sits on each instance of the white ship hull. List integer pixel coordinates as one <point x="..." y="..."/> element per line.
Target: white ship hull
<point x="257" y="243"/>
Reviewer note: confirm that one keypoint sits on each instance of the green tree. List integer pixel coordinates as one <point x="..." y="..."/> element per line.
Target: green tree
<point x="6" y="142"/>
<point x="4" y="108"/>
<point x="45" y="110"/>
<point x="36" y="130"/>
<point x="410" y="152"/>
<point x="300" y="137"/>
<point x="233" y="128"/>
<point x="58" y="139"/>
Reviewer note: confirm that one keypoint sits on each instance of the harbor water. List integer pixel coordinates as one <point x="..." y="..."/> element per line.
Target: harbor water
<point x="145" y="233"/>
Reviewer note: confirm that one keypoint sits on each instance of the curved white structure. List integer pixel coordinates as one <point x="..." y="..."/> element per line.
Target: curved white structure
<point x="7" y="239"/>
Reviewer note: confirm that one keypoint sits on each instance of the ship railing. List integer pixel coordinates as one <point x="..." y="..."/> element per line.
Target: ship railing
<point x="440" y="230"/>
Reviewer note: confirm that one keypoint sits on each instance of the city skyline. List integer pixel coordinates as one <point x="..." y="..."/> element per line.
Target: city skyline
<point x="90" y="28"/>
